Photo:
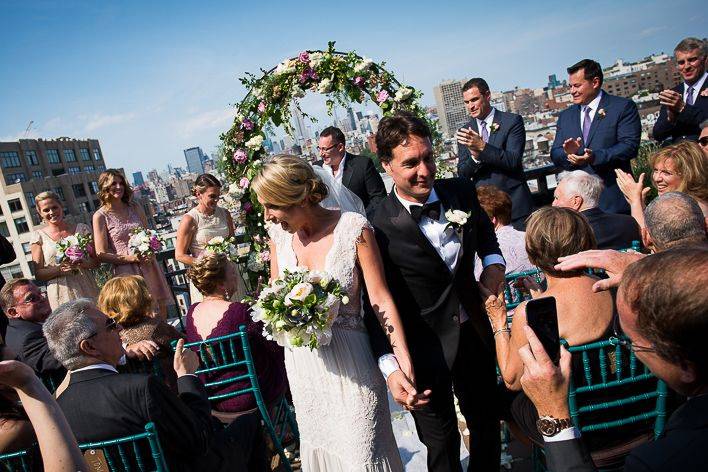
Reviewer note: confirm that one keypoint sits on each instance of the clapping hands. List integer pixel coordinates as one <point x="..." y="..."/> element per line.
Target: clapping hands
<point x="572" y="147"/>
<point x="469" y="138"/>
<point x="634" y="192"/>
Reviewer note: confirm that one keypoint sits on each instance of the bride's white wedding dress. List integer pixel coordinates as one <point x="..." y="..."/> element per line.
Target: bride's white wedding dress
<point x="338" y="392"/>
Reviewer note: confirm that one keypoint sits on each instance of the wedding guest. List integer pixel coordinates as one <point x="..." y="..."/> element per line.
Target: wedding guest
<point x="357" y="173"/>
<point x="663" y="313"/>
<point x="205" y="221"/>
<point x="599" y="134"/>
<point x="215" y="316"/>
<point x="491" y="149"/>
<point x="703" y="138"/>
<point x="673" y="219"/>
<point x="65" y="280"/>
<point x="680" y="167"/>
<point x="581" y="191"/>
<point x="7" y="255"/>
<point x="684" y="107"/>
<point x="99" y="404"/>
<point x="498" y="206"/>
<point x="112" y="227"/>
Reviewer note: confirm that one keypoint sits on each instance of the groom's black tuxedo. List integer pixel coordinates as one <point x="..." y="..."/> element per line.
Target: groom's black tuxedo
<point x="444" y="351"/>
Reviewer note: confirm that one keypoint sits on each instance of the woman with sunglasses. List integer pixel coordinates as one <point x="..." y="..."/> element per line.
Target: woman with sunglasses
<point x="65" y="280"/>
<point x="681" y="167"/>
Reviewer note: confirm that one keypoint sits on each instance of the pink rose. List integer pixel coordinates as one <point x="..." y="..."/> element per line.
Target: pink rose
<point x="359" y="81"/>
<point x="91" y="250"/>
<point x="247" y="207"/>
<point x="261" y="107"/>
<point x="382" y="96"/>
<point x="155" y="244"/>
<point x="244" y="182"/>
<point x="304" y="57"/>
<point x="240" y="156"/>
<point x="307" y="74"/>
<point x="265" y="256"/>
<point x="75" y="253"/>
<point x="247" y="124"/>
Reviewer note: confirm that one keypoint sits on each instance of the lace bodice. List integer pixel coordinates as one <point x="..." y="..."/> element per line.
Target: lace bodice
<point x="340" y="263"/>
<point x="119" y="230"/>
<point x="208" y="227"/>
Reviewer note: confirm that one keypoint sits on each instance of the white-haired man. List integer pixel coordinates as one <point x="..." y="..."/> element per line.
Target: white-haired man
<point x="580" y="191"/>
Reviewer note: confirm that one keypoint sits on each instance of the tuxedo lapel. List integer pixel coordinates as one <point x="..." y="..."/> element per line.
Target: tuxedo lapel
<point x="598" y="118"/>
<point x="348" y="170"/>
<point x="494" y="135"/>
<point x="574" y="112"/>
<point x="450" y="202"/>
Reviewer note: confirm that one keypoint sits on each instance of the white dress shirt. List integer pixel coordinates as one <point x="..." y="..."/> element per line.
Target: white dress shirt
<point x="487" y="123"/>
<point x="340" y="170"/>
<point x="696" y="88"/>
<point x="594" y="105"/>
<point x="96" y="366"/>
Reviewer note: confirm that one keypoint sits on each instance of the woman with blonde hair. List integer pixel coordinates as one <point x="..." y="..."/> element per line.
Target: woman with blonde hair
<point x="113" y="224"/>
<point x="216" y="278"/>
<point x="199" y="225"/>
<point x="337" y="389"/>
<point x="65" y="280"/>
<point x="681" y="167"/>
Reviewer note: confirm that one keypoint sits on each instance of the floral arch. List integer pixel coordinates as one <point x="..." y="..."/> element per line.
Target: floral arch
<point x="344" y="78"/>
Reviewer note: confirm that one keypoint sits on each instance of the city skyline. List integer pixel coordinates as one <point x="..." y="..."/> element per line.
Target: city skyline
<point x="149" y="81"/>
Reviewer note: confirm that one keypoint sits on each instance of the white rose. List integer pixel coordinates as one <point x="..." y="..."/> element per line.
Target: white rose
<point x="255" y="142"/>
<point x="285" y="67"/>
<point x="345" y="300"/>
<point x="216" y="240"/>
<point x="235" y="188"/>
<point x="144" y="247"/>
<point x="458" y="217"/>
<point x="363" y="65"/>
<point x="316" y="59"/>
<point x="315" y="276"/>
<point x="298" y="92"/>
<point x="72" y="240"/>
<point x="299" y="292"/>
<point x="325" y="86"/>
<point x="403" y="93"/>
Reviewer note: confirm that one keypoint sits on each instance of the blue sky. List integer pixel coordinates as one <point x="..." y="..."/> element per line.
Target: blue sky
<point x="151" y="78"/>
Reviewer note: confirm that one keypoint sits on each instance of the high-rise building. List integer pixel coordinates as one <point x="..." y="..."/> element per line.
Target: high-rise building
<point x="352" y="119"/>
<point x="299" y="126"/>
<point x="451" y="107"/>
<point x="138" y="178"/>
<point x="195" y="160"/>
<point x="28" y="167"/>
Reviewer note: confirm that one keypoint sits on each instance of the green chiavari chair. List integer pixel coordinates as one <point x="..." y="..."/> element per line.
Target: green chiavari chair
<point x="139" y="452"/>
<point x="512" y="295"/>
<point x="17" y="461"/>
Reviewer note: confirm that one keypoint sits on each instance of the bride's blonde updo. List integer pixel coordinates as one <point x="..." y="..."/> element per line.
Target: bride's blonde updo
<point x="286" y="180"/>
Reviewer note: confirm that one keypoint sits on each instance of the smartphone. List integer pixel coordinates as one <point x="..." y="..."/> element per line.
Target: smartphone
<point x="542" y="317"/>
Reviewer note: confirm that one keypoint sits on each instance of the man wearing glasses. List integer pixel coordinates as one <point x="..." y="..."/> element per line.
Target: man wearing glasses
<point x="357" y="173"/>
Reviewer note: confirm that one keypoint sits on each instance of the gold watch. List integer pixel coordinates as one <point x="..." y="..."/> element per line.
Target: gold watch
<point x="550" y="426"/>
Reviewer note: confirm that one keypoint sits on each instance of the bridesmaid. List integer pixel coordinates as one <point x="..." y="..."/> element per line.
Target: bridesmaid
<point x="65" y="281"/>
<point x="112" y="226"/>
<point x="205" y="221"/>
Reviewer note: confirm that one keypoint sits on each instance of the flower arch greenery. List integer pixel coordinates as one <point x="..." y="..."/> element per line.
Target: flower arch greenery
<point x="344" y="77"/>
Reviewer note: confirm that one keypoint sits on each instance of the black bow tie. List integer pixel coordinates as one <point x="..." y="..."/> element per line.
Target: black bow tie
<point x="431" y="210"/>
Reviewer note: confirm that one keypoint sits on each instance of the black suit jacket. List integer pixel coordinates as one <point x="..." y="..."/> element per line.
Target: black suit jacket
<point x="121" y="405"/>
<point x="686" y="124"/>
<point x="501" y="162"/>
<point x="27" y="340"/>
<point x="683" y="448"/>
<point x="612" y="230"/>
<point x="7" y="255"/>
<point x="361" y="177"/>
<point x="428" y="296"/>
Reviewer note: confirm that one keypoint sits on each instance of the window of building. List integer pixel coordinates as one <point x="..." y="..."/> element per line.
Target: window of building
<point x="69" y="155"/>
<point x="58" y="171"/>
<point x="93" y="187"/>
<point x="84" y="207"/>
<point x="37" y="174"/>
<point x="97" y="155"/>
<point x="89" y="168"/>
<point x="101" y="168"/>
<point x="79" y="190"/>
<point x="74" y="170"/>
<point x="26" y="248"/>
<point x="30" y="199"/>
<point x="9" y="159"/>
<point x="85" y="155"/>
<point x="3" y="229"/>
<point x="53" y="156"/>
<point x="12" y="272"/>
<point x="15" y="205"/>
<point x="31" y="157"/>
<point x="21" y="225"/>
<point x="60" y="191"/>
<point x="15" y="178"/>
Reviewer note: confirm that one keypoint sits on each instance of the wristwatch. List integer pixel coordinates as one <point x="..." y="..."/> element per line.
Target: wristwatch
<point x="550" y="426"/>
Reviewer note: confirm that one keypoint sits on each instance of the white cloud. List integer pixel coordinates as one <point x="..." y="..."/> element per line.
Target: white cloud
<point x="217" y="120"/>
<point x="651" y="31"/>
<point x="99" y="120"/>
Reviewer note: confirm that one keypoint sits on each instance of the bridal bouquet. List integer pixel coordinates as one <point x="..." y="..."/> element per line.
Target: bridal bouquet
<point x="74" y="249"/>
<point x="144" y="242"/>
<point x="299" y="308"/>
<point x="221" y="245"/>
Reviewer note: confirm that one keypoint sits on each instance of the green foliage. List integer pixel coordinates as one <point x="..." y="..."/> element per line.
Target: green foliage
<point x="640" y="165"/>
<point x="372" y="155"/>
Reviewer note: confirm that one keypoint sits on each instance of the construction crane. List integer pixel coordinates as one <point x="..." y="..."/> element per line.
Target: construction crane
<point x="29" y="127"/>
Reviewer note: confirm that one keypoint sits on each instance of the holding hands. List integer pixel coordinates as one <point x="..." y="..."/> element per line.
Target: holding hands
<point x="472" y="140"/>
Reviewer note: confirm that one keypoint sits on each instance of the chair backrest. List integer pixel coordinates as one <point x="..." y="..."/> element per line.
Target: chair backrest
<point x="611" y="365"/>
<point x="636" y="246"/>
<point x="135" y="366"/>
<point x="18" y="461"/>
<point x="512" y="295"/>
<point x="141" y="452"/>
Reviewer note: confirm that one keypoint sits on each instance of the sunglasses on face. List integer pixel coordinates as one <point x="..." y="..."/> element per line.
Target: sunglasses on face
<point x="703" y="141"/>
<point x="111" y="325"/>
<point x="32" y="299"/>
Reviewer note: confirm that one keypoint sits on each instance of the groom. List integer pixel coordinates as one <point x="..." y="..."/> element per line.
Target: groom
<point x="428" y="259"/>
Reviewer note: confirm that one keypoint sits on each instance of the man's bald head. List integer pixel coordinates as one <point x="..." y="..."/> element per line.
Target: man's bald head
<point x="674" y="219"/>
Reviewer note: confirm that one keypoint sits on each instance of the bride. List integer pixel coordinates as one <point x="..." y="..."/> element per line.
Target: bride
<point x="338" y="392"/>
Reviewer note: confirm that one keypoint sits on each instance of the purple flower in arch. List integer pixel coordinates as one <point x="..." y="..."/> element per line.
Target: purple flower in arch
<point x="244" y="182"/>
<point x="359" y="81"/>
<point x="247" y="124"/>
<point x="261" y="107"/>
<point x="308" y="73"/>
<point x="240" y="156"/>
<point x="247" y="207"/>
<point x="304" y="57"/>
<point x="382" y="96"/>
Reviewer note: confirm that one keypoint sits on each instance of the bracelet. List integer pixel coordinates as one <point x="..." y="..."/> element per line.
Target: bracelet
<point x="502" y="330"/>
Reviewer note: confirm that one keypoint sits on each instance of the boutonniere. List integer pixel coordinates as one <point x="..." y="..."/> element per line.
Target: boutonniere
<point x="704" y="92"/>
<point x="601" y="113"/>
<point x="456" y="219"/>
<point x="493" y="127"/>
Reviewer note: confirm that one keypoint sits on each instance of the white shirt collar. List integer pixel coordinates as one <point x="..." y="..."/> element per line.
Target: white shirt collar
<point x="433" y="197"/>
<point x="696" y="87"/>
<point x="340" y="169"/>
<point x="95" y="367"/>
<point x="594" y="105"/>
<point x="489" y="119"/>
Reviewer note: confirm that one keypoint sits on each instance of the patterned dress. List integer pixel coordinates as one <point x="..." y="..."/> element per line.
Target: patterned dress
<point x="338" y="392"/>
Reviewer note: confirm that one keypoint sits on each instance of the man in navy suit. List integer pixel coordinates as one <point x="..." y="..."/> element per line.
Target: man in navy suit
<point x="685" y="106"/>
<point x="491" y="148"/>
<point x="598" y="134"/>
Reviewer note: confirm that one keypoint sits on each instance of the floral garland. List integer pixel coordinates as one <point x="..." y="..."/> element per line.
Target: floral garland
<point x="343" y="77"/>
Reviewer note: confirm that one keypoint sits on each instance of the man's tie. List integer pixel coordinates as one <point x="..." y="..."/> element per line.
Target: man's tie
<point x="485" y="133"/>
<point x="689" y="96"/>
<point x="431" y="210"/>
<point x="587" y="121"/>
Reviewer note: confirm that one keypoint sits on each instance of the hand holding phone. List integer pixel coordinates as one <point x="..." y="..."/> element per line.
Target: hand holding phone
<point x="542" y="317"/>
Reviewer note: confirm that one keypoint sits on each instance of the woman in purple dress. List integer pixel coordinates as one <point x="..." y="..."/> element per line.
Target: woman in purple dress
<point x="216" y="278"/>
<point x="113" y="224"/>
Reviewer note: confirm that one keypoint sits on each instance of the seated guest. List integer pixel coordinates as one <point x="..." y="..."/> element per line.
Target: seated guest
<point x="673" y="219"/>
<point x="215" y="277"/>
<point x="497" y="204"/>
<point x="16" y="431"/>
<point x="580" y="191"/>
<point x="680" y="167"/>
<point x="88" y="343"/>
<point x="663" y="313"/>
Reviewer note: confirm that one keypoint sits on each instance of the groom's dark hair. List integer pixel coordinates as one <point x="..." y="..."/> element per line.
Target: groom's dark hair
<point x="591" y="69"/>
<point x="393" y="130"/>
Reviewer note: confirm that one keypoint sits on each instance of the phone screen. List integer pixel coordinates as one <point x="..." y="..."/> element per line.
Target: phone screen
<point x="542" y="318"/>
